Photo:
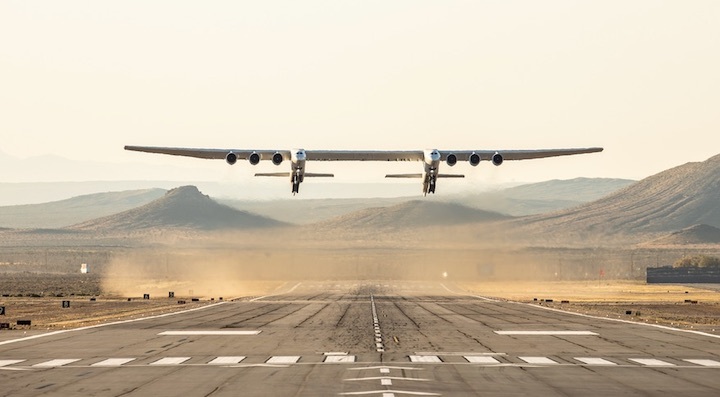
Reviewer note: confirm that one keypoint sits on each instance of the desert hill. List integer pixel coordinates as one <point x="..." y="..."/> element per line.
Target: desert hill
<point x="696" y="234"/>
<point x="415" y="213"/>
<point x="58" y="214"/>
<point x="670" y="200"/>
<point x="527" y="199"/>
<point x="183" y="207"/>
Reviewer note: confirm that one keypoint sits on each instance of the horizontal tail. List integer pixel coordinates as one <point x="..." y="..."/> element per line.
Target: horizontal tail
<point x="421" y="175"/>
<point x="403" y="176"/>
<point x="310" y="174"/>
<point x="285" y="174"/>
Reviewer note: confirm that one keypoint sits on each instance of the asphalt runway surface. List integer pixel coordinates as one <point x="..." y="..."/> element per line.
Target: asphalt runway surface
<point x="363" y="339"/>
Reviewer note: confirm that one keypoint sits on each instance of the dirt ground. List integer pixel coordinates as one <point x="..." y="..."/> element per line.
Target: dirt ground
<point x="680" y="306"/>
<point x="39" y="297"/>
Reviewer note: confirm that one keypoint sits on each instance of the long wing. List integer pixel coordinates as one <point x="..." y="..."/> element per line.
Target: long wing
<point x="242" y="154"/>
<point x="364" y="155"/>
<point x="464" y="155"/>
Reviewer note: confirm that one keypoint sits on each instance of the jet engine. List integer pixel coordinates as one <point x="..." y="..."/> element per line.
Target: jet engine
<point x="474" y="159"/>
<point x="451" y="159"/>
<point x="497" y="159"/>
<point x="277" y="158"/>
<point x="231" y="158"/>
<point x="254" y="158"/>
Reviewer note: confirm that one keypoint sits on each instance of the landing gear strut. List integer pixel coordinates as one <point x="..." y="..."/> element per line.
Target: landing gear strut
<point x="295" y="184"/>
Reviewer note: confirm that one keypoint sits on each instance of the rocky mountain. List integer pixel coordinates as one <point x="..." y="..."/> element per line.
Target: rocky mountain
<point x="183" y="207"/>
<point x="62" y="213"/>
<point x="670" y="200"/>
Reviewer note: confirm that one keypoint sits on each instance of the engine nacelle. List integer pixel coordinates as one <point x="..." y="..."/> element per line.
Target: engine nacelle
<point x="474" y="159"/>
<point x="254" y="158"/>
<point x="277" y="158"/>
<point x="497" y="159"/>
<point x="231" y="158"/>
<point x="451" y="159"/>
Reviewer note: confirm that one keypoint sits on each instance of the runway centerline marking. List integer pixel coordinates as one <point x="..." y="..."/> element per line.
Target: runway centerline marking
<point x="548" y="333"/>
<point x="209" y="333"/>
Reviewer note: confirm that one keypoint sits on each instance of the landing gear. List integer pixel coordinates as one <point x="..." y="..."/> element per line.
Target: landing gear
<point x="431" y="188"/>
<point x="295" y="184"/>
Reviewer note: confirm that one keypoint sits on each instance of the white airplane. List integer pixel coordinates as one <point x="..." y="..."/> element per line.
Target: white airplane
<point x="430" y="157"/>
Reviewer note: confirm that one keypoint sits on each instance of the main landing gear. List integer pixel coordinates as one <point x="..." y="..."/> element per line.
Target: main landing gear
<point x="295" y="184"/>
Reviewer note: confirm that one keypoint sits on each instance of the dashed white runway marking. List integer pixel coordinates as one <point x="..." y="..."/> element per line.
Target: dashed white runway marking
<point x="339" y="359"/>
<point x="9" y="362"/>
<point x="548" y="333"/>
<point x="425" y="359"/>
<point x="56" y="363"/>
<point x="227" y="360"/>
<point x="594" y="361"/>
<point x="651" y="362"/>
<point x="209" y="333"/>
<point x="538" y="360"/>
<point x="170" y="361"/>
<point x="481" y="360"/>
<point x="112" y="362"/>
<point x="705" y="363"/>
<point x="385" y="382"/>
<point x="283" y="360"/>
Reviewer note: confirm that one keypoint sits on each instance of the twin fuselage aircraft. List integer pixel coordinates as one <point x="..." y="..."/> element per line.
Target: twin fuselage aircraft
<point x="431" y="159"/>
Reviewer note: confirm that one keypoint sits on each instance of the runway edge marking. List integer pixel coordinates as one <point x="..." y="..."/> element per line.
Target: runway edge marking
<point x="619" y="320"/>
<point x="7" y="342"/>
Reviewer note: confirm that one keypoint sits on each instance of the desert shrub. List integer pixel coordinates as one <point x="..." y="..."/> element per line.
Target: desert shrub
<point x="697" y="261"/>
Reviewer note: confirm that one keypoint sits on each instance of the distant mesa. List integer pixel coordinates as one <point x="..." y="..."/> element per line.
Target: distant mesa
<point x="674" y="199"/>
<point x="415" y="213"/>
<point x="184" y="207"/>
<point x="693" y="235"/>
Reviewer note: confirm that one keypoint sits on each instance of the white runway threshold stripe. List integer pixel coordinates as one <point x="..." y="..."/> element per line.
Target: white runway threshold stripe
<point x="548" y="333"/>
<point x="425" y="359"/>
<point x="283" y="360"/>
<point x="170" y="361"/>
<point x="481" y="360"/>
<point x="209" y="333"/>
<point x="113" y="362"/>
<point x="9" y="362"/>
<point x="705" y="363"/>
<point x="227" y="360"/>
<point x="651" y="362"/>
<point x="538" y="360"/>
<point x="594" y="361"/>
<point x="56" y="363"/>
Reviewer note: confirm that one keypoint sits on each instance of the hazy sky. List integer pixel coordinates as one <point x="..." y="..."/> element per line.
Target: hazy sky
<point x="80" y="79"/>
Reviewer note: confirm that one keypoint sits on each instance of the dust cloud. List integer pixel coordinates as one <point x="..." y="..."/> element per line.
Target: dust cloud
<point x="259" y="262"/>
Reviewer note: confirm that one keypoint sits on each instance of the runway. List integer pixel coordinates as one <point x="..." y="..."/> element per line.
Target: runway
<point x="364" y="339"/>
